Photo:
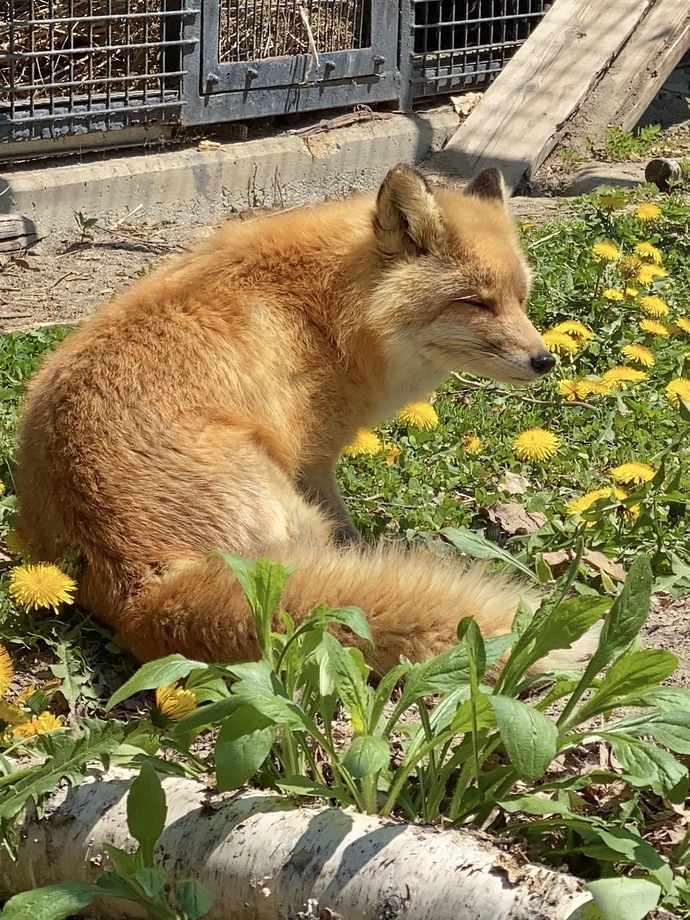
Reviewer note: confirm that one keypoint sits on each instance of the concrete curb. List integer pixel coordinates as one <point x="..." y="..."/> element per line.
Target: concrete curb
<point x="283" y="170"/>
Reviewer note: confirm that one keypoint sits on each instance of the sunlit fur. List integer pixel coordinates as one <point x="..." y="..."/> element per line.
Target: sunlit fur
<point x="206" y="407"/>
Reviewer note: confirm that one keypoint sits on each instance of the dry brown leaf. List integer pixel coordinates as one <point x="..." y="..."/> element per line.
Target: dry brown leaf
<point x="602" y="563"/>
<point x="464" y="104"/>
<point x="512" y="517"/>
<point x="558" y="557"/>
<point x="208" y="145"/>
<point x="514" y="483"/>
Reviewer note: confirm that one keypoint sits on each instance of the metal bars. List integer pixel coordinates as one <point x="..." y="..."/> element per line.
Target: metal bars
<point x="79" y="65"/>
<point x="458" y="43"/>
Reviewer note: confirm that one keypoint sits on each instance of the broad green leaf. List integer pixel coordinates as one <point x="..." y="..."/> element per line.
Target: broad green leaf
<point x="523" y="617"/>
<point x="633" y="672"/>
<point x="535" y="805"/>
<point x="352" y="617"/>
<point x="624" y="898"/>
<point x="672" y="729"/>
<point x="530" y="739"/>
<point x="207" y="715"/>
<point x="645" y="764"/>
<point x="66" y="758"/>
<point x="259" y="686"/>
<point x="664" y="697"/>
<point x="244" y="742"/>
<point x="484" y="714"/>
<point x="242" y="569"/>
<point x="477" y="546"/>
<point x="367" y="754"/>
<point x="155" y="674"/>
<point x="627" y="614"/>
<point x="115" y="886"/>
<point x="54" y="902"/>
<point x="382" y="694"/>
<point x="350" y="674"/>
<point x="301" y="785"/>
<point x="192" y="898"/>
<point x="627" y="841"/>
<point x="146" y="811"/>
<point x="568" y="622"/>
<point x="152" y="881"/>
<point x="125" y="863"/>
<point x="270" y="579"/>
<point x="471" y="638"/>
<point x="440" y="674"/>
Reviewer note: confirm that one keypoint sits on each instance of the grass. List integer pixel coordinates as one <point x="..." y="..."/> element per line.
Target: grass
<point x="465" y="476"/>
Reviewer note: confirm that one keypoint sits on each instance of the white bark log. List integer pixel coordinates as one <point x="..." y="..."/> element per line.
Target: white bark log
<point x="264" y="859"/>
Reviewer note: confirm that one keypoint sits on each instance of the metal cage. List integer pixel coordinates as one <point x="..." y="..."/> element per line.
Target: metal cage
<point x="457" y="43"/>
<point x="74" y="66"/>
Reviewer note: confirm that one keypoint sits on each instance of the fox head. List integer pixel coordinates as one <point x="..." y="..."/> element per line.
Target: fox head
<point x="454" y="283"/>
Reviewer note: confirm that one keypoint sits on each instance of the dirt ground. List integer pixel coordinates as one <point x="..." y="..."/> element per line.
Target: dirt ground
<point x="67" y="276"/>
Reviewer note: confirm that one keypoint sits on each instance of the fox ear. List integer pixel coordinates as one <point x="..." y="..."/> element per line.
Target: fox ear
<point x="487" y="184"/>
<point x="407" y="217"/>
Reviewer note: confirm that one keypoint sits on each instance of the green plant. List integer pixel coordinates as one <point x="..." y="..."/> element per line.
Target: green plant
<point x="85" y="225"/>
<point x="621" y="145"/>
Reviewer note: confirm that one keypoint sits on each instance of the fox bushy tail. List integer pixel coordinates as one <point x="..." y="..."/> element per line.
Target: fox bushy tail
<point x="413" y="602"/>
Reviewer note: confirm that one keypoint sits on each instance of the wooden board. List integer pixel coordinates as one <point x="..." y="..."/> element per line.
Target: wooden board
<point x="521" y="116"/>
<point x="636" y="76"/>
<point x="16" y="233"/>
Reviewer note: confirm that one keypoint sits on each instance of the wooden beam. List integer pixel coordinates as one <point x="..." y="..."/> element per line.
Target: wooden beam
<point x="627" y="88"/>
<point x="16" y="232"/>
<point x="521" y="116"/>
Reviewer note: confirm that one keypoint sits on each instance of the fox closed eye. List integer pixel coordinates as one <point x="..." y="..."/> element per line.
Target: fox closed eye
<point x="471" y="302"/>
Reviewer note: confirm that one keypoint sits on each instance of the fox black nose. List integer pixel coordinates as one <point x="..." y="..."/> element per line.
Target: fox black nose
<point x="543" y="362"/>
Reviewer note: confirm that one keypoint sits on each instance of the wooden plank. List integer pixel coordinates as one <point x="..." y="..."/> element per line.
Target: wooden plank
<point x="626" y="89"/>
<point x="520" y="118"/>
<point x="16" y="232"/>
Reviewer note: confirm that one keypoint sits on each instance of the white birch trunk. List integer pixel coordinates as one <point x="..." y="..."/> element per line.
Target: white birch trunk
<point x="265" y="859"/>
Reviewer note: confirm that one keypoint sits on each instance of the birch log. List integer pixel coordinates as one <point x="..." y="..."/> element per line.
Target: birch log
<point x="263" y="859"/>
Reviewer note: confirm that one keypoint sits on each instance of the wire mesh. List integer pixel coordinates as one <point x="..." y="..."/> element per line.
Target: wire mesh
<point x="73" y="57"/>
<point x="254" y="30"/>
<point x="459" y="42"/>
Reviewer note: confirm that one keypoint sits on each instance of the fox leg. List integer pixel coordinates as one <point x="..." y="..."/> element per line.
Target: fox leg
<point x="320" y="487"/>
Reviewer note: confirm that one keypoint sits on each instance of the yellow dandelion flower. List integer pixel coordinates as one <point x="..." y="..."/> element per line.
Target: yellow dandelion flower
<point x="535" y="444"/>
<point x="648" y="252"/>
<point x="393" y="453"/>
<point x="630" y="293"/>
<point x="683" y="323"/>
<point x="576" y="328"/>
<point x="606" y="251"/>
<point x="526" y="225"/>
<point x="560" y="342"/>
<point x="573" y="389"/>
<point x="612" y="202"/>
<point x="629" y="511"/>
<point x="596" y="387"/>
<point x="2" y="488"/>
<point x="622" y="376"/>
<point x="39" y="725"/>
<point x="15" y="544"/>
<point x="648" y="274"/>
<point x="612" y="294"/>
<point x="420" y="415"/>
<point x="677" y="390"/>
<point x="653" y="328"/>
<point x="654" y="305"/>
<point x="364" y="442"/>
<point x="649" y="211"/>
<point x="585" y="502"/>
<point x="6" y="670"/>
<point x="174" y="701"/>
<point x="11" y="714"/>
<point x="472" y="443"/>
<point x="42" y="585"/>
<point x="639" y="353"/>
<point x="633" y="472"/>
<point x="629" y="267"/>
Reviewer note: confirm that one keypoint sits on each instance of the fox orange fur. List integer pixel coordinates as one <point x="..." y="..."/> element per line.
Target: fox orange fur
<point x="205" y="409"/>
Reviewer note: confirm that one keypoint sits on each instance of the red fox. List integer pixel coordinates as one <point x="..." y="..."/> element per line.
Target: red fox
<point x="205" y="409"/>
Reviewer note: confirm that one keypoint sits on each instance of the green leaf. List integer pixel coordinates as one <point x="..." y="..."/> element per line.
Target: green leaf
<point x="115" y="886"/>
<point x="439" y="674"/>
<point x="352" y="617"/>
<point x="633" y="672"/>
<point x="383" y="692"/>
<point x="207" y="715"/>
<point x="483" y="713"/>
<point x="471" y="638"/>
<point x="270" y="579"/>
<point x="568" y="622"/>
<point x="477" y="546"/>
<point x="627" y="614"/>
<point x="54" y="902"/>
<point x="259" y="686"/>
<point x="366" y="755"/>
<point x="151" y="881"/>
<point x="192" y="898"/>
<point x="672" y="729"/>
<point x="301" y="785"/>
<point x="66" y="758"/>
<point x="535" y="805"/>
<point x="530" y="739"/>
<point x="624" y="898"/>
<point x="155" y="674"/>
<point x="244" y="742"/>
<point x="146" y="811"/>
<point x="350" y="673"/>
<point x="645" y="764"/>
